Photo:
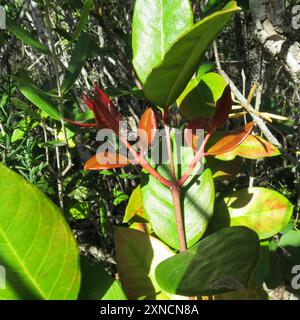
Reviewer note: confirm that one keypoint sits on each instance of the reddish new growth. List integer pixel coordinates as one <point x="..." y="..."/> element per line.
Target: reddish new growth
<point x="107" y="116"/>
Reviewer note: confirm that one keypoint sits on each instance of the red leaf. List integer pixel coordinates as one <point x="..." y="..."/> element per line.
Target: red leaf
<point x="147" y="128"/>
<point x="230" y="141"/>
<point x="190" y="132"/>
<point x="223" y="107"/>
<point x="106" y="113"/>
<point x="106" y="160"/>
<point x="88" y="102"/>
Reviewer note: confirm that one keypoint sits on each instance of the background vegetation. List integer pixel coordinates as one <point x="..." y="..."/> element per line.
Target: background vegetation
<point x="53" y="51"/>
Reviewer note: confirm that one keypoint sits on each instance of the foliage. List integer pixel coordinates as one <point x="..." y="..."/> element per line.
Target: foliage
<point x="193" y="226"/>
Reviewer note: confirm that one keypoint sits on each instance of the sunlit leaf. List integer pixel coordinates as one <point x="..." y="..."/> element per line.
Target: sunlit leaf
<point x="197" y="197"/>
<point x="106" y="160"/>
<point x="147" y="128"/>
<point x="255" y="147"/>
<point x="201" y="95"/>
<point x="38" y="250"/>
<point x="167" y="80"/>
<point x="137" y="256"/>
<point x="157" y="24"/>
<point x="230" y="141"/>
<point x="265" y="211"/>
<point x="290" y="239"/>
<point x="97" y="284"/>
<point x="135" y="206"/>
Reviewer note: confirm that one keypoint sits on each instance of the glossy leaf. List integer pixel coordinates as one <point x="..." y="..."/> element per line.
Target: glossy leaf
<point x="97" y="284"/>
<point x="290" y="239"/>
<point x="222" y="262"/>
<point x="23" y="35"/>
<point x="106" y="113"/>
<point x="37" y="248"/>
<point x="255" y="147"/>
<point x="106" y="160"/>
<point x="197" y="199"/>
<point x="230" y="141"/>
<point x="223" y="108"/>
<point x="135" y="206"/>
<point x="147" y="128"/>
<point x="78" y="58"/>
<point x="157" y="24"/>
<point x="167" y="81"/>
<point x="137" y="255"/>
<point x="264" y="211"/>
<point x="201" y="95"/>
<point x="39" y="98"/>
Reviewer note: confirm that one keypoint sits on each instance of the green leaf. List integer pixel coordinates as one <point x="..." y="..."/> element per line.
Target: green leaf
<point x="157" y="24"/>
<point x="21" y="128"/>
<point x="137" y="256"/>
<point x="227" y="170"/>
<point x="135" y="206"/>
<point x="21" y="105"/>
<point x="262" y="210"/>
<point x="37" y="249"/>
<point x="84" y="15"/>
<point x="26" y="37"/>
<point x="197" y="199"/>
<point x="36" y="96"/>
<point x="78" y="58"/>
<point x="167" y="81"/>
<point x="204" y="68"/>
<point x="222" y="262"/>
<point x="263" y="265"/>
<point x="253" y="147"/>
<point x="200" y="96"/>
<point x="97" y="284"/>
<point x="290" y="239"/>
<point x="253" y="292"/>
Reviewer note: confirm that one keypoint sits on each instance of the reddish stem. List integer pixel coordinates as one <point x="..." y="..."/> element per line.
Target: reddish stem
<point x="176" y="195"/>
<point x="142" y="162"/>
<point x="198" y="156"/>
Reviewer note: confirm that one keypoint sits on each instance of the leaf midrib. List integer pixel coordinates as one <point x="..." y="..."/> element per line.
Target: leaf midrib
<point x="26" y="271"/>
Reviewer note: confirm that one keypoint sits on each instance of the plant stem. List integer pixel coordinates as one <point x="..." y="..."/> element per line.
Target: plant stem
<point x="176" y="195"/>
<point x="198" y="156"/>
<point x="143" y="163"/>
<point x="55" y="62"/>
